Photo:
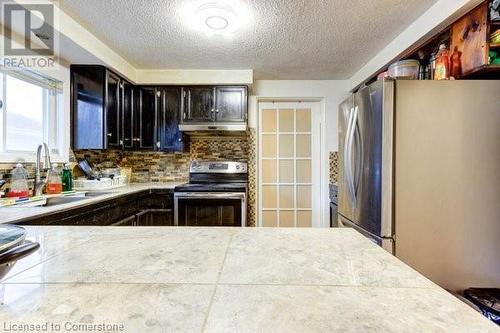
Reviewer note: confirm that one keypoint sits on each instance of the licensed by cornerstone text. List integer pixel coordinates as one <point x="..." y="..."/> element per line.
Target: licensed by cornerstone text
<point x="67" y="326"/>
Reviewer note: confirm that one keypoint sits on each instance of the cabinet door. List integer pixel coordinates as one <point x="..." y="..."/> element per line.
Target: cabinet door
<point x="87" y="112"/>
<point x="128" y="115"/>
<point x="231" y="104"/>
<point x="170" y="111"/>
<point x="126" y="222"/>
<point x="154" y="218"/>
<point x="471" y="41"/>
<point x="146" y="122"/>
<point x="200" y="104"/>
<point x="113" y="110"/>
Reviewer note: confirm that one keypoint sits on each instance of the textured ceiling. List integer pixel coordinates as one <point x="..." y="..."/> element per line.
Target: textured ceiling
<point x="288" y="39"/>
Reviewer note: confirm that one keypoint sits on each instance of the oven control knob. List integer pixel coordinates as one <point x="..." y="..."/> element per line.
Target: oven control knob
<point x="238" y="167"/>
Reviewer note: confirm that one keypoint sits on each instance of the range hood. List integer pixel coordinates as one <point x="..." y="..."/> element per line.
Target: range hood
<point x="213" y="127"/>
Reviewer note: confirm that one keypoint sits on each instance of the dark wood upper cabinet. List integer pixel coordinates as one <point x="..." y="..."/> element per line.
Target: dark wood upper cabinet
<point x="87" y="108"/>
<point x="171" y="108"/>
<point x="231" y="104"/>
<point x="96" y="108"/>
<point x="147" y="118"/>
<point x="129" y="102"/>
<point x="200" y="104"/>
<point x="107" y="111"/>
<point x="215" y="104"/>
<point x="113" y="106"/>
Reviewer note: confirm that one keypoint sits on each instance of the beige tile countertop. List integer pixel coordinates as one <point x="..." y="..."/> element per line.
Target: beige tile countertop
<point x="16" y="214"/>
<point x="167" y="279"/>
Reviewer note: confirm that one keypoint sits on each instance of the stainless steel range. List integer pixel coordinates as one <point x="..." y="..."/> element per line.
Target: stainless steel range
<point x="216" y="195"/>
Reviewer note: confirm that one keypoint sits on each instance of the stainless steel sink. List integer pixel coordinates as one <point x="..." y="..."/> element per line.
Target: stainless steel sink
<point x="94" y="194"/>
<point x="73" y="198"/>
<point x="63" y="200"/>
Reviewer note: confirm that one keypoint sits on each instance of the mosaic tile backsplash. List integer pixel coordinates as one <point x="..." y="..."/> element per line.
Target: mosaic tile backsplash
<point x="334" y="166"/>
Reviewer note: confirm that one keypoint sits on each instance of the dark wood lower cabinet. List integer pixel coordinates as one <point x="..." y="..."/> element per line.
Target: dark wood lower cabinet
<point x="154" y="218"/>
<point x="148" y="208"/>
<point x="126" y="222"/>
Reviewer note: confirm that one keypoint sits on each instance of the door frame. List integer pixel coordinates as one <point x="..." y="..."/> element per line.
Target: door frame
<point x="322" y="219"/>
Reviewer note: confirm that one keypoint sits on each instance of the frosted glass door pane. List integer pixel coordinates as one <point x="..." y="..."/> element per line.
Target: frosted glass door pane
<point x="304" y="219"/>
<point x="268" y="145"/>
<point x="287" y="164"/>
<point x="287" y="197"/>
<point x="287" y="219"/>
<point x="269" y="120"/>
<point x="269" y="197"/>
<point x="269" y="171"/>
<point x="287" y="171"/>
<point x="304" y="196"/>
<point x="286" y="120"/>
<point x="303" y="145"/>
<point x="269" y="219"/>
<point x="303" y="120"/>
<point x="286" y="145"/>
<point x="304" y="171"/>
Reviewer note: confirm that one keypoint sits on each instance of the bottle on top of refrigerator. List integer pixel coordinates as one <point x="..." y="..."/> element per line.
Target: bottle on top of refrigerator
<point x="19" y="182"/>
<point x="442" y="71"/>
<point x="67" y="178"/>
<point x="54" y="184"/>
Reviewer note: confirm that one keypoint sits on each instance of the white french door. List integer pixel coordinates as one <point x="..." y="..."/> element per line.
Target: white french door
<point x="289" y="164"/>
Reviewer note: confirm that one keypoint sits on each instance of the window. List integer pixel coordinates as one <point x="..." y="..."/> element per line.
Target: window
<point x="30" y="114"/>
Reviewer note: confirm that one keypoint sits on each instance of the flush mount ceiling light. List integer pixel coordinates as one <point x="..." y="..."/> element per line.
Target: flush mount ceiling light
<point x="216" y="17"/>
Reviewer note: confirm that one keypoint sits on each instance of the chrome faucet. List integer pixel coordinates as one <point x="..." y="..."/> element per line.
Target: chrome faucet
<point x="39" y="184"/>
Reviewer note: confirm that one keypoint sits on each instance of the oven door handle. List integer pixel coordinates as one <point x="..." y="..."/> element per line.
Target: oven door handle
<point x="205" y="195"/>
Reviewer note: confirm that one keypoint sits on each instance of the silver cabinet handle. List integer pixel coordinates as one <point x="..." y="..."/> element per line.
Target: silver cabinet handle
<point x="110" y="134"/>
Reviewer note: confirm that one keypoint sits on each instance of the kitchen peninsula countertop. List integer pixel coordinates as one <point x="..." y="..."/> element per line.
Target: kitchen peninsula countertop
<point x="17" y="214"/>
<point x="167" y="279"/>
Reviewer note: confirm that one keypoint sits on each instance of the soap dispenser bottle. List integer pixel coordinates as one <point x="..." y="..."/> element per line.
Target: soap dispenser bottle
<point x="54" y="184"/>
<point x="67" y="178"/>
<point x="19" y="183"/>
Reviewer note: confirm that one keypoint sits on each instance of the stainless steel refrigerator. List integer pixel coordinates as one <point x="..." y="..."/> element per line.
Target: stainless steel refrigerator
<point x="365" y="123"/>
<point x="420" y="175"/>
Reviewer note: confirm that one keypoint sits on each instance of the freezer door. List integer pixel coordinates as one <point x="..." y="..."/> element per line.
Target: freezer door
<point x="387" y="244"/>
<point x="345" y="206"/>
<point x="367" y="158"/>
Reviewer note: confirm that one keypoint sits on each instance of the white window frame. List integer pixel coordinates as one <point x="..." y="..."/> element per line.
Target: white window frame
<point x="53" y="120"/>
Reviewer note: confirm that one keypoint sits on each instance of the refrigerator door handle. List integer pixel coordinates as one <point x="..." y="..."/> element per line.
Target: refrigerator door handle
<point x="352" y="187"/>
<point x="347" y="166"/>
<point x="359" y="155"/>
